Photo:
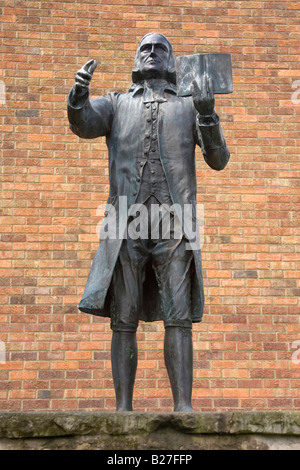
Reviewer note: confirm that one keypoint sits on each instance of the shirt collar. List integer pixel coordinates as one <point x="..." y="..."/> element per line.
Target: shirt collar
<point x="151" y="93"/>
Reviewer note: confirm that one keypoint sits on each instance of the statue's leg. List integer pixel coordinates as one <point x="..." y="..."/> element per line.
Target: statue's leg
<point x="178" y="350"/>
<point x="124" y="365"/>
<point x="126" y="288"/>
<point x="172" y="265"/>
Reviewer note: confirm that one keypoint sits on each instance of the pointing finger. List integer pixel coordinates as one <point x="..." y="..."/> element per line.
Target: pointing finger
<point x="90" y="66"/>
<point x="196" y="88"/>
<point x="210" y="87"/>
<point x="205" y="80"/>
<point x="93" y="66"/>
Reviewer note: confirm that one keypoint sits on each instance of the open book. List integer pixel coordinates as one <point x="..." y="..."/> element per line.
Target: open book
<point x="217" y="66"/>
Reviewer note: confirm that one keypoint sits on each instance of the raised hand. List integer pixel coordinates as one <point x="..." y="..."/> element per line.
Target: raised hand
<point x="203" y="96"/>
<point x="84" y="75"/>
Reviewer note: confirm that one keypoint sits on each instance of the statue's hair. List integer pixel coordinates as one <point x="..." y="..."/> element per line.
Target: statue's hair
<point x="171" y="73"/>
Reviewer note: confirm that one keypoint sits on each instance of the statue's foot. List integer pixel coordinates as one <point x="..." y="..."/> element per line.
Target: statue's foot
<point x="183" y="408"/>
<point x="124" y="408"/>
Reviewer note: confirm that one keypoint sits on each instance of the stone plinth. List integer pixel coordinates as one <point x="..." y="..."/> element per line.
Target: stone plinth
<point x="150" y="431"/>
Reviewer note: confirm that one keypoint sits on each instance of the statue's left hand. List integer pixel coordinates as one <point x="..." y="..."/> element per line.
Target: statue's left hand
<point x="203" y="96"/>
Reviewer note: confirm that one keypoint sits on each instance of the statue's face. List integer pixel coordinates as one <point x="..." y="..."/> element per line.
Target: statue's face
<point x="154" y="56"/>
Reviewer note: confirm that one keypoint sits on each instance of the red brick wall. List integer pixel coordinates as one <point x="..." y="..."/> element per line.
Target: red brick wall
<point x="52" y="182"/>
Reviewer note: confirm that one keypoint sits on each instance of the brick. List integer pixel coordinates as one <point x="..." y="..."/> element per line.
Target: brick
<point x="52" y="183"/>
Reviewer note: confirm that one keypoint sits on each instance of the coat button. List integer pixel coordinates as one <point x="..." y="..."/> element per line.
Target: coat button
<point x="138" y="179"/>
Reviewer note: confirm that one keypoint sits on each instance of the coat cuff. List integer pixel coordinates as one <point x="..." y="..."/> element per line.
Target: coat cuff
<point x="78" y="97"/>
<point x="210" y="132"/>
<point x="210" y="120"/>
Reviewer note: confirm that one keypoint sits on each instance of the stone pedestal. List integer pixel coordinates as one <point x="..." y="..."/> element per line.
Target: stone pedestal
<point x="267" y="430"/>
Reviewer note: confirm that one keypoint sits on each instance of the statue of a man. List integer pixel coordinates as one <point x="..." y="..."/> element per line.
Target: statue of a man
<point x="151" y="134"/>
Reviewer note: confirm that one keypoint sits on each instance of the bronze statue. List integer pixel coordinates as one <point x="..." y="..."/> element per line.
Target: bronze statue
<point x="151" y="134"/>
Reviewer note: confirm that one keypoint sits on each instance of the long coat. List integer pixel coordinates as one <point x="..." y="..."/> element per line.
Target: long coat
<point x="122" y="119"/>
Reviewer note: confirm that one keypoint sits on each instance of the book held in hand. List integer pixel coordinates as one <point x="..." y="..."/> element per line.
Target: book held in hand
<point x="192" y="67"/>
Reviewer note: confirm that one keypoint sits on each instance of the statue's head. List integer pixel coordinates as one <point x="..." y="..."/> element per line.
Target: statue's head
<point x="154" y="59"/>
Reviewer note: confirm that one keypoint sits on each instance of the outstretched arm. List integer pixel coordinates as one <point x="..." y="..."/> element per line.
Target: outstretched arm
<point x="210" y="135"/>
<point x="88" y="118"/>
